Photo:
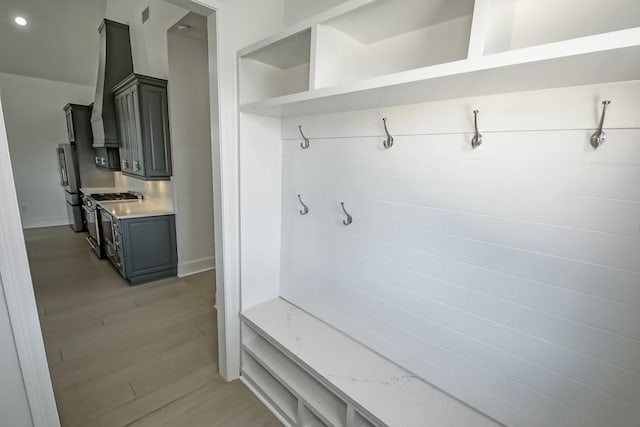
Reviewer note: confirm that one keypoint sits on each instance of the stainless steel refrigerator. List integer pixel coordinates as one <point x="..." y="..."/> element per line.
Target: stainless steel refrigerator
<point x="77" y="162"/>
<point x="70" y="180"/>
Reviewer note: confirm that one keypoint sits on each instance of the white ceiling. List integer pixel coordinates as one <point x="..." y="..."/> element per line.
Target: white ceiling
<point x="59" y="43"/>
<point x="197" y="26"/>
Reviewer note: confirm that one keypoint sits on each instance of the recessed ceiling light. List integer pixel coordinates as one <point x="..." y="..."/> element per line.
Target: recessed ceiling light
<point x="20" y="21"/>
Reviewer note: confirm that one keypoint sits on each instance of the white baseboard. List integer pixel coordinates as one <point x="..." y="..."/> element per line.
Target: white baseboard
<point x="196" y="266"/>
<point x="44" y="222"/>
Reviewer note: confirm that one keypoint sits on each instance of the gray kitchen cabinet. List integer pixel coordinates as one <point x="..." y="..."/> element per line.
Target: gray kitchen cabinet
<point x="78" y="123"/>
<point x="80" y="133"/>
<point x="142" y="116"/>
<point x="107" y="158"/>
<point x="142" y="249"/>
<point x="70" y="130"/>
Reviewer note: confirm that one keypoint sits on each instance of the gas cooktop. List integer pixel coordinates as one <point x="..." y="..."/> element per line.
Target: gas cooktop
<point x="102" y="197"/>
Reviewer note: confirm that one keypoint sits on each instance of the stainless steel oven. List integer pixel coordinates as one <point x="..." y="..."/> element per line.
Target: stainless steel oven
<point x="94" y="218"/>
<point x="93" y="224"/>
<point x="111" y="238"/>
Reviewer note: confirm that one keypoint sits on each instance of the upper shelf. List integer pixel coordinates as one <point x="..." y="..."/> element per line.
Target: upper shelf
<point x="609" y="57"/>
<point x="426" y="50"/>
<point x="517" y="24"/>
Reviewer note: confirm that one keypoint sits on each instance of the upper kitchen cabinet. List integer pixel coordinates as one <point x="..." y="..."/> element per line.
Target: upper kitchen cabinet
<point x="79" y="132"/>
<point x="107" y="158"/>
<point x="78" y="123"/>
<point x="115" y="63"/>
<point x="142" y="115"/>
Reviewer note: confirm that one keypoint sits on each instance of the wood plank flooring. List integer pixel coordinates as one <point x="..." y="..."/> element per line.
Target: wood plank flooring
<point x="131" y="356"/>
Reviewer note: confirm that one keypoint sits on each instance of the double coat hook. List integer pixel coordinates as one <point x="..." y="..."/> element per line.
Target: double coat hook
<point x="599" y="137"/>
<point x="304" y="144"/>
<point x="477" y="138"/>
<point x="349" y="219"/>
<point x="387" y="143"/>
<point x="305" y="208"/>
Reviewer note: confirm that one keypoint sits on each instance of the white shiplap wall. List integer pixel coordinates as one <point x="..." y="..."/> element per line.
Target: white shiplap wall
<point x="508" y="276"/>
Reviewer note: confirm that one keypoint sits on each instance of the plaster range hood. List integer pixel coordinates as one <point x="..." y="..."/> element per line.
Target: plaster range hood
<point x="115" y="63"/>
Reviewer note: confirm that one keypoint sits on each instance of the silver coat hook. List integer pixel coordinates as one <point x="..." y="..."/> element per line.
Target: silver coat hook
<point x="304" y="144"/>
<point x="305" y="208"/>
<point x="599" y="137"/>
<point x="477" y="138"/>
<point x="349" y="219"/>
<point x="387" y="143"/>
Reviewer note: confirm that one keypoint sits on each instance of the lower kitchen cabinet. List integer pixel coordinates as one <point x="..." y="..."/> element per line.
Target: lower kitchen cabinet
<point x="142" y="249"/>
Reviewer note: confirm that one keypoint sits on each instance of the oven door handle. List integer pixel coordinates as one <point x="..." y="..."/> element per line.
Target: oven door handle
<point x="91" y="244"/>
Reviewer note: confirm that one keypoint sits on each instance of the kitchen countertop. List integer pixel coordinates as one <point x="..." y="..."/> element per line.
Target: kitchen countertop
<point x="93" y="190"/>
<point x="134" y="209"/>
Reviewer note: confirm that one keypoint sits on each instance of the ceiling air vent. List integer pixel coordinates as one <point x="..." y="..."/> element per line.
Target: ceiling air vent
<point x="145" y="14"/>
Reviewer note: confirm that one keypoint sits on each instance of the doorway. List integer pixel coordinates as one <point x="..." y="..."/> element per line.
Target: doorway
<point x="132" y="355"/>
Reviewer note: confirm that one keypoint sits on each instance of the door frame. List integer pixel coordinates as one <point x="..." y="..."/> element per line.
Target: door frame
<point x="225" y="175"/>
<point x="20" y="297"/>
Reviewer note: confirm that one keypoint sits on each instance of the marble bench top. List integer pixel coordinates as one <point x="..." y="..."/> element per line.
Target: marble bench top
<point x="385" y="390"/>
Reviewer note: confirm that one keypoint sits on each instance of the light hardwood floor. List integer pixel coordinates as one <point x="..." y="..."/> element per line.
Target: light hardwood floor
<point x="131" y="356"/>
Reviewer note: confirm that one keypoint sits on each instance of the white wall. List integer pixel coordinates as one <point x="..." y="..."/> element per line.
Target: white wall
<point x="189" y="192"/>
<point x="36" y="125"/>
<point x="14" y="405"/>
<point x="151" y="58"/>
<point x="508" y="276"/>
<point x="261" y="159"/>
<point x="191" y="151"/>
<point x="297" y="10"/>
<point x="260" y="163"/>
<point x="148" y="40"/>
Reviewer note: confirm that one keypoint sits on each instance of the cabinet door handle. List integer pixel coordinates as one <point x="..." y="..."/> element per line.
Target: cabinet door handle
<point x="125" y="164"/>
<point x="97" y="160"/>
<point x="103" y="161"/>
<point x="136" y="165"/>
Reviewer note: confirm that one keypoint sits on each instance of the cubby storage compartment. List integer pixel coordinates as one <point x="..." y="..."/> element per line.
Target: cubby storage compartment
<point x="276" y="69"/>
<point x="359" y="421"/>
<point x="309" y="419"/>
<point x="338" y="380"/>
<point x="389" y="36"/>
<point x="270" y="388"/>
<point x="316" y="396"/>
<point x="516" y="24"/>
<point x="381" y="53"/>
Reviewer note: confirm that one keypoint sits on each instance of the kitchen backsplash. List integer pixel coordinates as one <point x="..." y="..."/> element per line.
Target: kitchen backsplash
<point x="158" y="192"/>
